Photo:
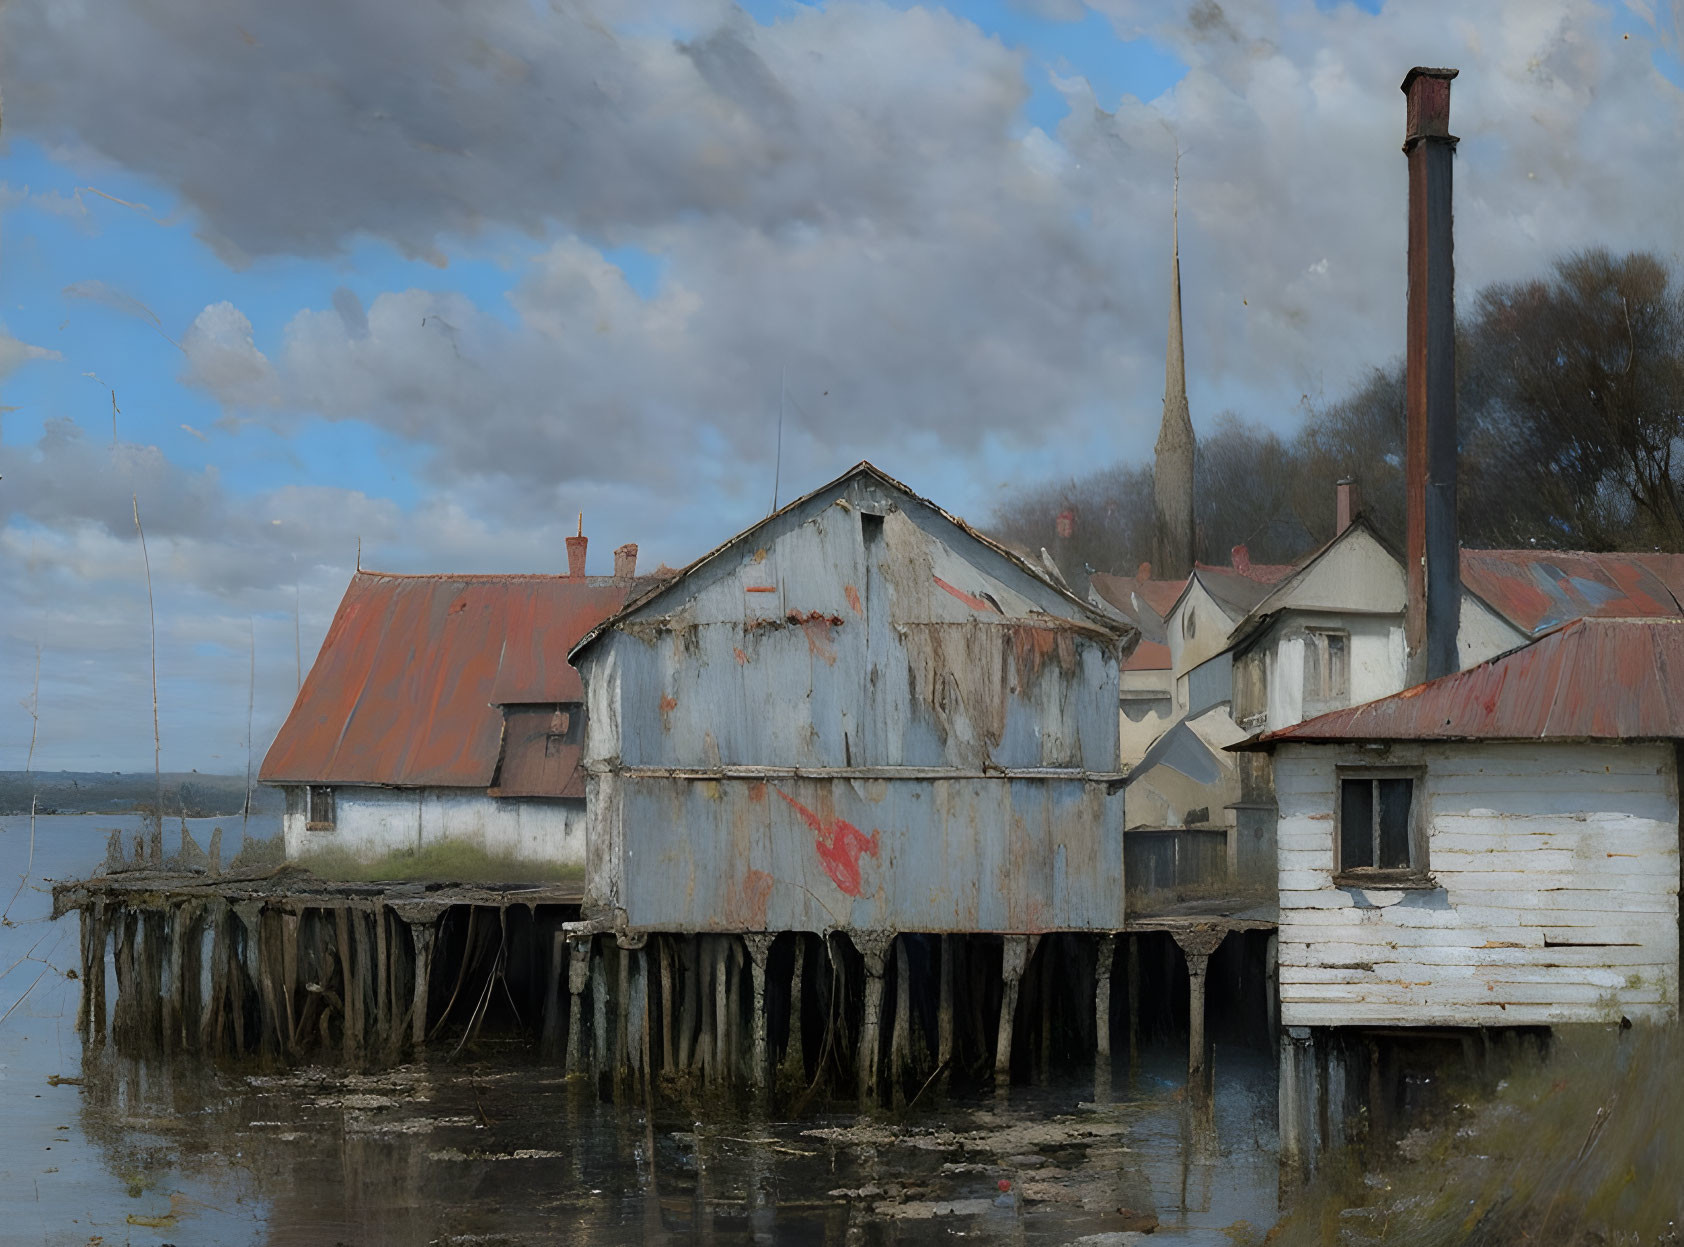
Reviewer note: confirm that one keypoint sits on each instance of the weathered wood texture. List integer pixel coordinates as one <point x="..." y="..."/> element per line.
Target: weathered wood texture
<point x="856" y="717"/>
<point x="1557" y="874"/>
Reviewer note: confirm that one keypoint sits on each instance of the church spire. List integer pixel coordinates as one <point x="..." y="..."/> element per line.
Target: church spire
<point x="1172" y="479"/>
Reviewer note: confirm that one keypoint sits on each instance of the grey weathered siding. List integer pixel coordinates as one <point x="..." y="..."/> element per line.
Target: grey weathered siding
<point x="901" y="666"/>
<point x="1558" y="874"/>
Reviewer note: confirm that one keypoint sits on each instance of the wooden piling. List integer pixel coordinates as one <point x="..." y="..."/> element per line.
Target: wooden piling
<point x="622" y="1021"/>
<point x="947" y="948"/>
<point x="1014" y="955"/>
<point x="759" y="947"/>
<point x="549" y="1042"/>
<point x="94" y="984"/>
<point x="1197" y="944"/>
<point x="1105" y="958"/>
<point x="664" y="968"/>
<point x="423" y="934"/>
<point x="599" y="1014"/>
<point x="721" y="1010"/>
<point x="874" y="948"/>
<point x="794" y="1058"/>
<point x="900" y="1036"/>
<point x="578" y="978"/>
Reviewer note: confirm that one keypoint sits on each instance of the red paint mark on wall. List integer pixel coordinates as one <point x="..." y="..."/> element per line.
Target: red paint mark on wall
<point x="853" y="599"/>
<point x="738" y="651"/>
<point x="760" y="588"/>
<point x="969" y="599"/>
<point x="668" y="705"/>
<point x="839" y="845"/>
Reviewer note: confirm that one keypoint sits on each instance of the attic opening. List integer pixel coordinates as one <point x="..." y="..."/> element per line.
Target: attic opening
<point x="871" y="527"/>
<point x="564" y="728"/>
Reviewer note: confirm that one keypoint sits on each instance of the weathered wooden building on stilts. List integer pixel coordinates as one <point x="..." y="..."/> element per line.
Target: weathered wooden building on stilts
<point x="857" y="745"/>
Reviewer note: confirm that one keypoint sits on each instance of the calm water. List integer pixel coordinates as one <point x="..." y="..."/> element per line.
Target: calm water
<point x="499" y="1150"/>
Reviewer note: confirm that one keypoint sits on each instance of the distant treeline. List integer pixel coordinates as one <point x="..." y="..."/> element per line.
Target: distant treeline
<point x="1571" y="406"/>
<point x="188" y="794"/>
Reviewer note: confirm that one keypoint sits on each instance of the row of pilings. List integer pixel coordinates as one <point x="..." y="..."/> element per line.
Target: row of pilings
<point x="876" y="1017"/>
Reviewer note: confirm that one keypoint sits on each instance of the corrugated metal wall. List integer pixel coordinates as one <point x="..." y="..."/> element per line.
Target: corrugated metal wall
<point x="914" y="666"/>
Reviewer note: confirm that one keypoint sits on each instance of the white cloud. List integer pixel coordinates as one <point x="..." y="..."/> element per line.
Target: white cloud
<point x="14" y="354"/>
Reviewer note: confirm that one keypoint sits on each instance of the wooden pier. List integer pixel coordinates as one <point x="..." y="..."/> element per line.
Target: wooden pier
<point x="280" y="964"/>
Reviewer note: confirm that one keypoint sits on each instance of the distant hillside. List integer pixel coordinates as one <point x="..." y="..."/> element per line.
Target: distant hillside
<point x="115" y="792"/>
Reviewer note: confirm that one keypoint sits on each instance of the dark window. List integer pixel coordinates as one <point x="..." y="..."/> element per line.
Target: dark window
<point x="1379" y="824"/>
<point x="320" y="802"/>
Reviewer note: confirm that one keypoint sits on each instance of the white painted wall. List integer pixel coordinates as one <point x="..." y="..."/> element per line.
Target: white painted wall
<point x="1482" y="634"/>
<point x="1198" y="628"/>
<point x="1138" y="691"/>
<point x="1376" y="658"/>
<point x="372" y="822"/>
<point x="1557" y="901"/>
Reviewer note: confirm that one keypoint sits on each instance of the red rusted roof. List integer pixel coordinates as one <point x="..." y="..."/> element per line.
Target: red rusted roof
<point x="1538" y="589"/>
<point x="1592" y="679"/>
<point x="1148" y="656"/>
<point x="407" y="686"/>
<point x="1158" y="596"/>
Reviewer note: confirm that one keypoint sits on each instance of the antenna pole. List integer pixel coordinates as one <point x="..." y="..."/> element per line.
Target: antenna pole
<point x="778" y="462"/>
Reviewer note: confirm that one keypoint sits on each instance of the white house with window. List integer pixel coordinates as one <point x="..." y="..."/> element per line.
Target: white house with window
<point x="1498" y="847"/>
<point x="1495" y="849"/>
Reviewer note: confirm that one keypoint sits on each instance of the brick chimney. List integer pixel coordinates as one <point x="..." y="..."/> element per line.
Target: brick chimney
<point x="1347" y="504"/>
<point x="625" y="561"/>
<point x="1241" y="557"/>
<point x="576" y="551"/>
<point x="1431" y="548"/>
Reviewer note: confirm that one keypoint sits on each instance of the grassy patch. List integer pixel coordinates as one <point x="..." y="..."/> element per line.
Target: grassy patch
<point x="256" y="851"/>
<point x="450" y="861"/>
<point x="1582" y="1147"/>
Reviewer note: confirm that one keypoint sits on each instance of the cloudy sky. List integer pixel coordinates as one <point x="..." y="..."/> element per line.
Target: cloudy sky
<point x="438" y="276"/>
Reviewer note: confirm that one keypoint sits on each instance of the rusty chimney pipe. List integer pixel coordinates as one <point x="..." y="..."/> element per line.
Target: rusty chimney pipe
<point x="1347" y="504"/>
<point x="625" y="561"/>
<point x="576" y="552"/>
<point x="1432" y="548"/>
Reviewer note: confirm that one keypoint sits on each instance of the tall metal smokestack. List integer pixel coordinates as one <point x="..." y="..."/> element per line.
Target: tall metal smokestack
<point x="1433" y="551"/>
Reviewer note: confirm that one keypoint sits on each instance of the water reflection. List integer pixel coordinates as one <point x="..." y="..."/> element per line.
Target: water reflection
<point x="503" y="1149"/>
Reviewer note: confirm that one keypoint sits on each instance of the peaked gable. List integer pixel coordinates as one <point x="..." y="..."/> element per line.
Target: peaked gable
<point x="943" y="565"/>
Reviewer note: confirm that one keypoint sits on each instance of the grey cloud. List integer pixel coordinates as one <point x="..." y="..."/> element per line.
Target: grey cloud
<point x="305" y="124"/>
<point x="351" y="312"/>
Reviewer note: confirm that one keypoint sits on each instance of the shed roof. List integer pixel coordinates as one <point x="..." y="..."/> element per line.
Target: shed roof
<point x="1591" y="679"/>
<point x="406" y="688"/>
<point x="1237" y="591"/>
<point x="1536" y="590"/>
<point x="1149" y="656"/>
<point x="1157" y="596"/>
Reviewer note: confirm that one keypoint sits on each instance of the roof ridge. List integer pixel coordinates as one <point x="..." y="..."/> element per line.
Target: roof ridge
<point x="558" y="576"/>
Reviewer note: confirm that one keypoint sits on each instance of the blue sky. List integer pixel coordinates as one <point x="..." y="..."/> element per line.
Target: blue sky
<point x="477" y="308"/>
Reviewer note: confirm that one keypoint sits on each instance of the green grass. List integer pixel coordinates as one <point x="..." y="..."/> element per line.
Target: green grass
<point x="450" y="861"/>
<point x="1585" y="1146"/>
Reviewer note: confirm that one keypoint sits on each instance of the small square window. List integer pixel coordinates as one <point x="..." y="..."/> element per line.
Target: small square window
<point x="1382" y="837"/>
<point x="1327" y="666"/>
<point x="319" y="807"/>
